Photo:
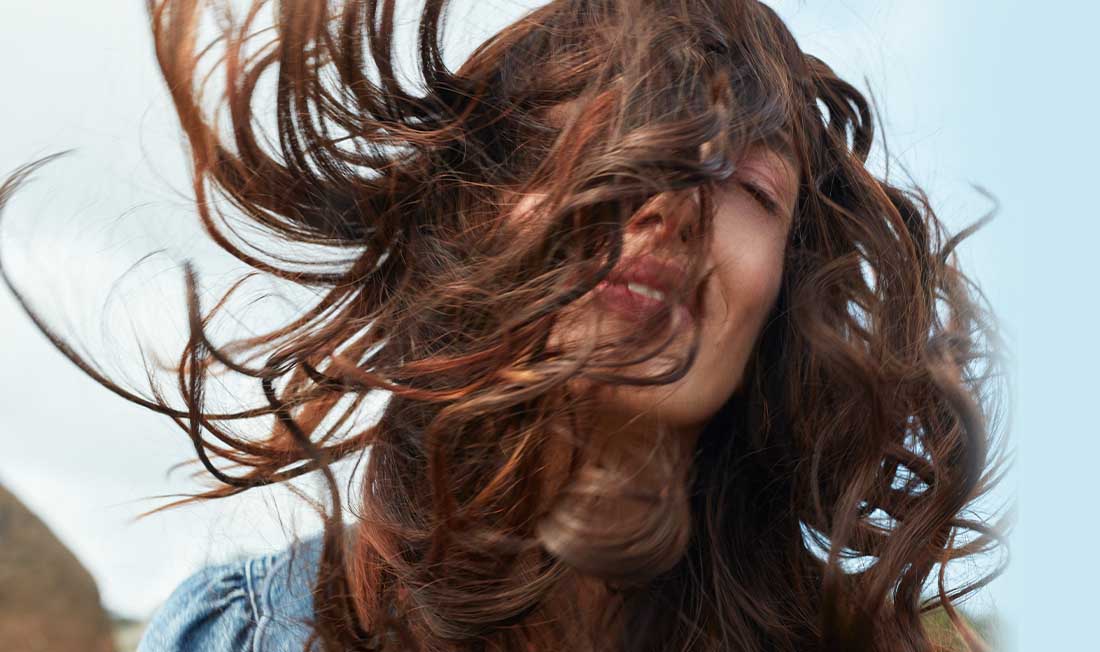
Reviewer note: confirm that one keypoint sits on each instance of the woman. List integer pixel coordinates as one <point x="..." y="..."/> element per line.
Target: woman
<point x="665" y="366"/>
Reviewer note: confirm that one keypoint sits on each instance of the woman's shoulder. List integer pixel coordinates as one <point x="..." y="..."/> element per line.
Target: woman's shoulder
<point x="260" y="604"/>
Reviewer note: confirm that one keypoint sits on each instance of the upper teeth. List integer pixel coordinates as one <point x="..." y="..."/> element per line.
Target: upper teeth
<point x="645" y="290"/>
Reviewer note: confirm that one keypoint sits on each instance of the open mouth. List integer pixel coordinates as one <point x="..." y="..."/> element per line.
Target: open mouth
<point x="637" y="301"/>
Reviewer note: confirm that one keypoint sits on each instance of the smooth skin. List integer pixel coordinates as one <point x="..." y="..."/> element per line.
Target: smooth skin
<point x="753" y="215"/>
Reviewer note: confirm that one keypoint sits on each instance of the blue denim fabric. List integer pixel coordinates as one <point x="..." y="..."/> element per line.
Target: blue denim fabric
<point x="261" y="604"/>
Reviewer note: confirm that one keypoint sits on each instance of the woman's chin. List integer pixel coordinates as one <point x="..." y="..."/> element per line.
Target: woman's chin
<point x="679" y="405"/>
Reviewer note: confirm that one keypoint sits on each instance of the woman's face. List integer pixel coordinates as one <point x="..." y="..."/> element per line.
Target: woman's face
<point x="753" y="215"/>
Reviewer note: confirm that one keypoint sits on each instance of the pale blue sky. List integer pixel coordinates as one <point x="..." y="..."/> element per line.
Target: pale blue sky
<point x="991" y="92"/>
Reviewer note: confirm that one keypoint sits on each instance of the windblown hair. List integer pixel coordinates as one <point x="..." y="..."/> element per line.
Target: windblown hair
<point x="824" y="499"/>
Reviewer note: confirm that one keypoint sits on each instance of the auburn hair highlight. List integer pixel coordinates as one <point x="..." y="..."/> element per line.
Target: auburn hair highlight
<point x="865" y="430"/>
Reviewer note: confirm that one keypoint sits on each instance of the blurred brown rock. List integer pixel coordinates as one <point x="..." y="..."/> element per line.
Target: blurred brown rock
<point x="48" y="601"/>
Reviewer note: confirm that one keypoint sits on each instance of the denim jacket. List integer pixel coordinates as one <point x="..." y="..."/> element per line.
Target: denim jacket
<point x="262" y="604"/>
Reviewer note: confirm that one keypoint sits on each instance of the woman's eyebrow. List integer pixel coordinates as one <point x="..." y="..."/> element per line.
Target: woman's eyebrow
<point x="779" y="144"/>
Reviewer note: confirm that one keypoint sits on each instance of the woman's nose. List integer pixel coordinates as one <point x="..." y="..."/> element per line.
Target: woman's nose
<point x="669" y="217"/>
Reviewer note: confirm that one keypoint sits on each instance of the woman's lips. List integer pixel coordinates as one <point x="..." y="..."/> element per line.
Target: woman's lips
<point x="662" y="275"/>
<point x="622" y="300"/>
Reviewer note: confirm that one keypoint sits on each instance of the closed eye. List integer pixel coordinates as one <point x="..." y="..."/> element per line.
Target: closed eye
<point x="762" y="197"/>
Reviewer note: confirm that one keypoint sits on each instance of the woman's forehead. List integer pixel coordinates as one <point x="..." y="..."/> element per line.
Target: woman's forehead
<point x="779" y="143"/>
<point x="776" y="152"/>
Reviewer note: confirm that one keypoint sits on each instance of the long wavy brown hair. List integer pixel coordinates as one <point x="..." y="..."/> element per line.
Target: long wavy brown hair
<point x="824" y="500"/>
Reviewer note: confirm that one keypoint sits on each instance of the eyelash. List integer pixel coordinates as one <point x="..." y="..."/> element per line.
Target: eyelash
<point x="762" y="197"/>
